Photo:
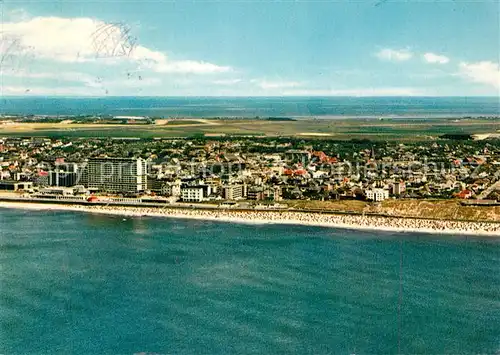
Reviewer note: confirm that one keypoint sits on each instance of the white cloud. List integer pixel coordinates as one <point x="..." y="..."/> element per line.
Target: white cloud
<point x="141" y="53"/>
<point x="131" y="83"/>
<point x="50" y="91"/>
<point x="394" y="55"/>
<point x="89" y="86"/>
<point x="60" y="76"/>
<point x="34" y="83"/>
<point x="269" y="85"/>
<point x="430" y="74"/>
<point x="227" y="82"/>
<point x="78" y="40"/>
<point x="61" y="39"/>
<point x="485" y="72"/>
<point x="436" y="58"/>
<point x="357" y="92"/>
<point x="189" y="66"/>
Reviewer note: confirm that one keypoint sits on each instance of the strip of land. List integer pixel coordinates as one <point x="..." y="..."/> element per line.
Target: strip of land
<point x="357" y="222"/>
<point x="343" y="129"/>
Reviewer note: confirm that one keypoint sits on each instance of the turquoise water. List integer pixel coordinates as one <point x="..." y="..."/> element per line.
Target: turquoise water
<point x="254" y="106"/>
<point x="93" y="284"/>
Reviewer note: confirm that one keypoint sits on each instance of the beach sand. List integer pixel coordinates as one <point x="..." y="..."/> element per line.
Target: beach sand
<point x="357" y="222"/>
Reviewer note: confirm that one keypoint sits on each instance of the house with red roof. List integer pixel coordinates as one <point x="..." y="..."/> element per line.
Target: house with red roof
<point x="464" y="194"/>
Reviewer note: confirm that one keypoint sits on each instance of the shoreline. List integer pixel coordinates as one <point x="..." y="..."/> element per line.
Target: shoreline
<point x="333" y="117"/>
<point x="352" y="222"/>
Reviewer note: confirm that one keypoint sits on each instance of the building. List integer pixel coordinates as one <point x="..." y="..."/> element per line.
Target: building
<point x="41" y="179"/>
<point x="233" y="192"/>
<point x="273" y="193"/>
<point x="377" y="195"/>
<point x="57" y="191"/>
<point x="192" y="194"/>
<point x="121" y="175"/>
<point x="372" y="154"/>
<point x="464" y="194"/>
<point x="165" y="187"/>
<point x="398" y="188"/>
<point x="10" y="185"/>
<point x="171" y="188"/>
<point x="62" y="178"/>
<point x="302" y="156"/>
<point x="68" y="167"/>
<point x="255" y="193"/>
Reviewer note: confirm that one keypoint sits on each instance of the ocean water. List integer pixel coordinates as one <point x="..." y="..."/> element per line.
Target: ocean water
<point x="94" y="284"/>
<point x="420" y="107"/>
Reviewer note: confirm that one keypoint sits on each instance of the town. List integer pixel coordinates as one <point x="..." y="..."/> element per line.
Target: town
<point x="250" y="169"/>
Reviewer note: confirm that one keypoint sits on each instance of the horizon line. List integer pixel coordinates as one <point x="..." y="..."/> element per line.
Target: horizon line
<point x="247" y="96"/>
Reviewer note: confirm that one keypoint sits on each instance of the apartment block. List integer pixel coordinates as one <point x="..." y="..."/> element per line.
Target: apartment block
<point x="121" y="175"/>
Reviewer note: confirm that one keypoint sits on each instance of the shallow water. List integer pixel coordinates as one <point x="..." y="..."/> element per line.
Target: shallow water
<point x="83" y="283"/>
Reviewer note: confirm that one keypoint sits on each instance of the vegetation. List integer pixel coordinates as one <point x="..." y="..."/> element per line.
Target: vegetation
<point x="358" y="130"/>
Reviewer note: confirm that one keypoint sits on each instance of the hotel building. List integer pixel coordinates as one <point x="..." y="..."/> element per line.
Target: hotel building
<point x="121" y="175"/>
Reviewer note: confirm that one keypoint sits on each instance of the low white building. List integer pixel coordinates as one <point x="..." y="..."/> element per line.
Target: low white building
<point x="192" y="194"/>
<point x="319" y="174"/>
<point x="61" y="191"/>
<point x="377" y="195"/>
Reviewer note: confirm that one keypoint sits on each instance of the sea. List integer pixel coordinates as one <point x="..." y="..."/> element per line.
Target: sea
<point x="80" y="283"/>
<point x="262" y="107"/>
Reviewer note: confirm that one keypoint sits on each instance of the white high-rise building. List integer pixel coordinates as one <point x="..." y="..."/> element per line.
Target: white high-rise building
<point x="126" y="175"/>
<point x="233" y="192"/>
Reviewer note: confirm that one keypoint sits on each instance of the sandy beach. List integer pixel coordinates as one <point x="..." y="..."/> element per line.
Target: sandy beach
<point x="392" y="224"/>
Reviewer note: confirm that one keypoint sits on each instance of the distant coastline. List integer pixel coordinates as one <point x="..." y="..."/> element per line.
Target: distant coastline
<point x="356" y="222"/>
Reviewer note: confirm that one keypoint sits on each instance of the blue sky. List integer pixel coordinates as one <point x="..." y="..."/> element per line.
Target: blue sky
<point x="241" y="48"/>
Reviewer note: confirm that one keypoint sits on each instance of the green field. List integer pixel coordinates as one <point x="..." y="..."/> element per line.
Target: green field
<point x="307" y="128"/>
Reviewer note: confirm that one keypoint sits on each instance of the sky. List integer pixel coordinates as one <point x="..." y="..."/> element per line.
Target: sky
<point x="250" y="48"/>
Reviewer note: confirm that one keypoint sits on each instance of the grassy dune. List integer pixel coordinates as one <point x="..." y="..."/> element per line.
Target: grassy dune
<point x="442" y="209"/>
<point x="445" y="209"/>
<point x="343" y="205"/>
